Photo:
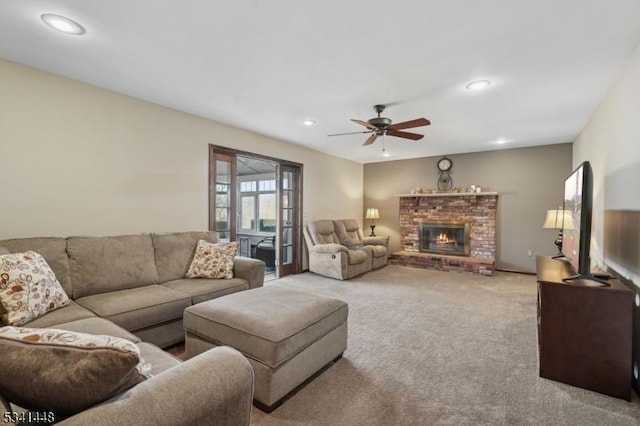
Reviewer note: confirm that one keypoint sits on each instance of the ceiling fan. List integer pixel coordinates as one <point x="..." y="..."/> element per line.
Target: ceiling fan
<point x="381" y="126"/>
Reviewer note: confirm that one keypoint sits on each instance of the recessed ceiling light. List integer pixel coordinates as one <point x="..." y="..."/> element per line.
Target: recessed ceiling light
<point x="385" y="153"/>
<point x="63" y="24"/>
<point x="309" y="122"/>
<point x="502" y="141"/>
<point x="478" y="85"/>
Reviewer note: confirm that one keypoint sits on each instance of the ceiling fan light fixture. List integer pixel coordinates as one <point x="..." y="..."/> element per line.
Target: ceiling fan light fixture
<point x="478" y="85"/>
<point x="63" y="24"/>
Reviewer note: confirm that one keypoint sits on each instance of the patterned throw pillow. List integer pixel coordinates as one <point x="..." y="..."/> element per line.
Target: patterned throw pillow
<point x="64" y="371"/>
<point x="28" y="288"/>
<point x="213" y="260"/>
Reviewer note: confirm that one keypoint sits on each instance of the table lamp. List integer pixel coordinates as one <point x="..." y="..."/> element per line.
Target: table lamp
<point x="372" y="214"/>
<point x="556" y="220"/>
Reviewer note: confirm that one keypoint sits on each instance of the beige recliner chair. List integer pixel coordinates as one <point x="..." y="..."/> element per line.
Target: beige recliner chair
<point x="338" y="251"/>
<point x="350" y="235"/>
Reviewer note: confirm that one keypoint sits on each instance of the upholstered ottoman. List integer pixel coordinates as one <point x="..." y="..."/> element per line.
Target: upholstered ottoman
<point x="288" y="335"/>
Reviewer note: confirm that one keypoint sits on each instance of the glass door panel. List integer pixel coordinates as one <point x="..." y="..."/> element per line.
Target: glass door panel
<point x="288" y="243"/>
<point x="223" y="209"/>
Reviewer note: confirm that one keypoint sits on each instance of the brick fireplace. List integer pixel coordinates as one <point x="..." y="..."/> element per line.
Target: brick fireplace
<point x="448" y="231"/>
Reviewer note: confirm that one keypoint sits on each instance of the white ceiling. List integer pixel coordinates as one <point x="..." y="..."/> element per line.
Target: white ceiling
<point x="266" y="65"/>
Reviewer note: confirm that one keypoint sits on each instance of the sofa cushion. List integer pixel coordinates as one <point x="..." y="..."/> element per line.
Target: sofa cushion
<point x="174" y="252"/>
<point x="357" y="256"/>
<point x="54" y="251"/>
<point x="104" y="264"/>
<point x="95" y="325"/>
<point x="323" y="232"/>
<point x="140" y="307"/>
<point x="378" y="251"/>
<point x="4" y="251"/>
<point x="213" y="260"/>
<point x="71" y="312"/>
<point x="201" y="289"/>
<point x="159" y="359"/>
<point x="63" y="371"/>
<point x="28" y="288"/>
<point x="348" y="232"/>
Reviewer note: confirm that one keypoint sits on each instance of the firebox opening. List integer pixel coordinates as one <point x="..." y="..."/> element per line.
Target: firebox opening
<point x="450" y="238"/>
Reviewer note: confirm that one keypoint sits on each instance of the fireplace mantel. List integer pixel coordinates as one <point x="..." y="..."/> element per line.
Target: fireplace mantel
<point x="448" y="194"/>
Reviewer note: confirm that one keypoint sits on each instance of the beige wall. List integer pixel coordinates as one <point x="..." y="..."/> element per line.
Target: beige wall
<point x="77" y="159"/>
<point x="529" y="181"/>
<point x="611" y="143"/>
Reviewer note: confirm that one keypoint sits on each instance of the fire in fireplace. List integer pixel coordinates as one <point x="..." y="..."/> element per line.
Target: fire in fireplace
<point x="450" y="238"/>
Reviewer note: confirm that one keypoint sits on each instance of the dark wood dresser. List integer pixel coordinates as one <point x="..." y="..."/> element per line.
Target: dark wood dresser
<point x="584" y="330"/>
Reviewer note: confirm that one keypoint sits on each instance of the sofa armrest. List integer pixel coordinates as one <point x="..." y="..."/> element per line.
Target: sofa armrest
<point x="249" y="269"/>
<point x="328" y="248"/>
<point x="376" y="241"/>
<point x="215" y="387"/>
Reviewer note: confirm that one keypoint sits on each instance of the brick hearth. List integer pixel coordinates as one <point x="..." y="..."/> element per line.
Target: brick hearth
<point x="477" y="209"/>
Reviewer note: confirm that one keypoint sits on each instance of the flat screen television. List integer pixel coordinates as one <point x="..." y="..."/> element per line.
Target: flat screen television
<point x="576" y="227"/>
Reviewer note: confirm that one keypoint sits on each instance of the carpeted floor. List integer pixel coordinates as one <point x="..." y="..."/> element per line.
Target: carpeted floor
<point x="439" y="348"/>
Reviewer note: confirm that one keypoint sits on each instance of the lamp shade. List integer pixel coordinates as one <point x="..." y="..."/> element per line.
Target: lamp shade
<point x="558" y="219"/>
<point x="553" y="219"/>
<point x="372" y="214"/>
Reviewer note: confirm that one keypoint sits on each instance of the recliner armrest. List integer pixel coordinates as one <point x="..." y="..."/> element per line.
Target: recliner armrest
<point x="332" y="248"/>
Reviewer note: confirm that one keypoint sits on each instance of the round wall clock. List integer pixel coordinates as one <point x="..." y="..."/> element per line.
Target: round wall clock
<point x="444" y="164"/>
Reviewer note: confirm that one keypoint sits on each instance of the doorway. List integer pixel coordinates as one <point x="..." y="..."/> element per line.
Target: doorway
<point x="257" y="201"/>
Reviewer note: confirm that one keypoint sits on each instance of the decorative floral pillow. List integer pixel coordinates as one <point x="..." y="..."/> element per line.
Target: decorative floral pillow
<point x="28" y="288"/>
<point x="64" y="371"/>
<point x="213" y="260"/>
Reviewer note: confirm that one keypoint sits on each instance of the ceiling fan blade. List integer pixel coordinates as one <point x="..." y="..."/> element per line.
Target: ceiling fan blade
<point x="365" y="124"/>
<point x="406" y="135"/>
<point x="418" y="122"/>
<point x="371" y="139"/>
<point x="349" y="133"/>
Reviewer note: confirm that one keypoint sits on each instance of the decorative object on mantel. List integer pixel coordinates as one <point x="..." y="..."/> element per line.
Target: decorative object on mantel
<point x="445" y="183"/>
<point x="433" y="193"/>
<point x="373" y="214"/>
<point x="556" y="220"/>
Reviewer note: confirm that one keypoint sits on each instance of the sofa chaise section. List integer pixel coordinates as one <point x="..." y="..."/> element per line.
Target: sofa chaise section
<point x="213" y="388"/>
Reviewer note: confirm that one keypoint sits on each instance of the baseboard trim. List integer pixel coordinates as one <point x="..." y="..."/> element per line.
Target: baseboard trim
<point x="513" y="271"/>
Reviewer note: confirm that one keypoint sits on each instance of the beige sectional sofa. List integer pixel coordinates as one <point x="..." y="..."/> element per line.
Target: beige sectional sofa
<point x="134" y="287"/>
<point x="337" y="249"/>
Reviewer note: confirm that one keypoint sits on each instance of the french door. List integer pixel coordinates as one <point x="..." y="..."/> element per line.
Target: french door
<point x="222" y="195"/>
<point x="289" y="239"/>
<point x="223" y="204"/>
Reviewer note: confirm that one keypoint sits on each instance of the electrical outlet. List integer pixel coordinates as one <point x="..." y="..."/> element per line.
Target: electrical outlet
<point x="529" y="253"/>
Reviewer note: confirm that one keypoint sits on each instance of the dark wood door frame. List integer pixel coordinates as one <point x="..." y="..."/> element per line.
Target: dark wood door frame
<point x="214" y="150"/>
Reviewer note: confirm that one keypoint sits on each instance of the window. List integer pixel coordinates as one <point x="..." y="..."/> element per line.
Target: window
<point x="267" y="210"/>
<point x="258" y="205"/>
<point x="248" y="186"/>
<point x="266" y="185"/>
<point x="247" y="209"/>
